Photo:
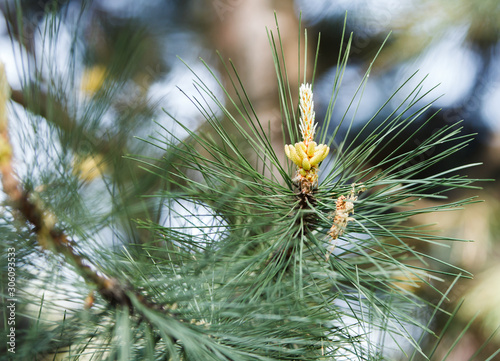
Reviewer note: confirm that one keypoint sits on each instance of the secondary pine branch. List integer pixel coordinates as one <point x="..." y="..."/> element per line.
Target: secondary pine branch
<point x="48" y="236"/>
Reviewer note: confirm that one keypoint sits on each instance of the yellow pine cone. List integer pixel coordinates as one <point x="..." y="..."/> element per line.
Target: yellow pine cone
<point x="291" y="153"/>
<point x="5" y="152"/>
<point x="306" y="165"/>
<point x="89" y="168"/>
<point x="306" y="157"/>
<point x="93" y="79"/>
<point x="319" y="154"/>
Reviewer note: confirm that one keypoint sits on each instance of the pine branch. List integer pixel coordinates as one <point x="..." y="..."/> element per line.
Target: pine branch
<point x="249" y="256"/>
<point x="48" y="236"/>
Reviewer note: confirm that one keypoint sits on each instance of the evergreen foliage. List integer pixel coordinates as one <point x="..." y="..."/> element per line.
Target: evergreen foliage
<point x="219" y="252"/>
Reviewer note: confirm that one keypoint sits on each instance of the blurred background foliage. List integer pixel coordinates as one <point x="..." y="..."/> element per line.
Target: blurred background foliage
<point x="123" y="60"/>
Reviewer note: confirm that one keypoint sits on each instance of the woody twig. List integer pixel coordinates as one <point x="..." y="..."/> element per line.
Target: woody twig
<point x="49" y="237"/>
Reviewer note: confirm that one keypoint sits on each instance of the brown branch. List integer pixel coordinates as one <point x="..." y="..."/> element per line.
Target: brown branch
<point x="55" y="240"/>
<point x="49" y="237"/>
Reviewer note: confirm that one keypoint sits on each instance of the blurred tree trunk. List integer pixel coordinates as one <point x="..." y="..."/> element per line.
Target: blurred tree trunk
<point x="238" y="32"/>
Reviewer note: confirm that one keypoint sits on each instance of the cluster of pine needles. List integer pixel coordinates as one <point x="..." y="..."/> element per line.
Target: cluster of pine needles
<point x="258" y="257"/>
